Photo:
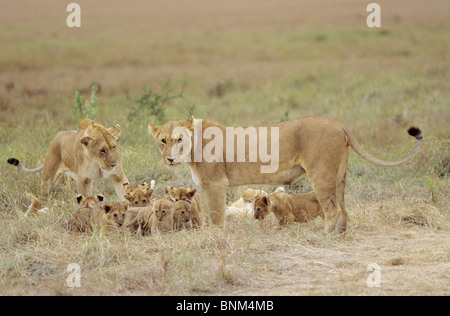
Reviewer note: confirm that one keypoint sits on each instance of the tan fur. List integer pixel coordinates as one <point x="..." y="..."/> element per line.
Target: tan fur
<point x="33" y="208"/>
<point x="314" y="145"/>
<point x="103" y="216"/>
<point x="244" y="204"/>
<point x="138" y="219"/>
<point x="190" y="195"/>
<point x="161" y="219"/>
<point x="89" y="201"/>
<point x="182" y="214"/>
<point x="87" y="155"/>
<point x="139" y="195"/>
<point x="288" y="208"/>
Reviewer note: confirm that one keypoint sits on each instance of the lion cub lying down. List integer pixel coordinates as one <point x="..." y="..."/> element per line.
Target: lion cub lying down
<point x="103" y="216"/>
<point x="244" y="205"/>
<point x="288" y="208"/>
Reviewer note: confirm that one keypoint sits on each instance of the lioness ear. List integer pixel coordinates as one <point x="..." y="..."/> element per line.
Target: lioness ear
<point x="115" y="131"/>
<point x="79" y="198"/>
<point x="100" y="197"/>
<point x="154" y="130"/>
<point x="85" y="140"/>
<point x="107" y="208"/>
<point x="190" y="123"/>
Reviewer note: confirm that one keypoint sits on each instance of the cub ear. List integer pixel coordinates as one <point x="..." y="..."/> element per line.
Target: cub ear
<point x="191" y="192"/>
<point x="125" y="186"/>
<point x="115" y="131"/>
<point x="85" y="140"/>
<point x="149" y="192"/>
<point x="79" y="198"/>
<point x="167" y="190"/>
<point x="190" y="123"/>
<point x="107" y="208"/>
<point x="265" y="200"/>
<point x="154" y="130"/>
<point x="126" y="204"/>
<point x="100" y="197"/>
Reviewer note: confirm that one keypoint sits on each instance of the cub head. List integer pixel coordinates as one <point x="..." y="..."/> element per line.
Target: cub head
<point x="89" y="201"/>
<point x="173" y="140"/>
<point x="262" y="207"/>
<point x="182" y="212"/>
<point x="249" y="196"/>
<point x="138" y="195"/>
<point x="162" y="208"/>
<point x="100" y="143"/>
<point x="114" y="213"/>
<point x="180" y="194"/>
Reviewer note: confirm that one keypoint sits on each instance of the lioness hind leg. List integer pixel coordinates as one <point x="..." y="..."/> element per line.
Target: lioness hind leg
<point x="342" y="221"/>
<point x="325" y="189"/>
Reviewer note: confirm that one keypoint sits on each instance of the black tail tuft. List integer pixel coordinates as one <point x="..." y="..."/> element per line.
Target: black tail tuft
<point x="13" y="161"/>
<point x="416" y="132"/>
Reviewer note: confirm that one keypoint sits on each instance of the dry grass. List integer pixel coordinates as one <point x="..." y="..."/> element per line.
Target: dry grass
<point x="242" y="62"/>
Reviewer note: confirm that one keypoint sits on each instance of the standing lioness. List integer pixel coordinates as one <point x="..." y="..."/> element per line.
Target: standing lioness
<point x="88" y="154"/>
<point x="314" y="145"/>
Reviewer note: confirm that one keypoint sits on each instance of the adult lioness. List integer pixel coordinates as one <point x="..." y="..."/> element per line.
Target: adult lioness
<point x="88" y="154"/>
<point x="314" y="145"/>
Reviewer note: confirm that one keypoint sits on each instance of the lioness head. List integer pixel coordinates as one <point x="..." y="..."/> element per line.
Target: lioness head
<point x="180" y="194"/>
<point x="173" y="140"/>
<point x="100" y="143"/>
<point x="138" y="195"/>
<point x="114" y="213"/>
<point x="262" y="207"/>
<point x="89" y="201"/>
<point x="162" y="208"/>
<point x="182" y="212"/>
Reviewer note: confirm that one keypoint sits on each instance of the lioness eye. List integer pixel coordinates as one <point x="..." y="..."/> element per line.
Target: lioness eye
<point x="163" y="141"/>
<point x="103" y="151"/>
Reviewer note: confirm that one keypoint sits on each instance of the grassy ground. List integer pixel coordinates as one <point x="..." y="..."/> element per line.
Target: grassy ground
<point x="241" y="63"/>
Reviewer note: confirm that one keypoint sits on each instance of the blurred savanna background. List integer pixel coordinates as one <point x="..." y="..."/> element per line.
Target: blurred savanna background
<point x="241" y="63"/>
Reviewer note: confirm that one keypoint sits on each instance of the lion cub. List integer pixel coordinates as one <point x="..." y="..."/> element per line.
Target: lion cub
<point x="103" y="216"/>
<point x="288" y="208"/>
<point x="244" y="205"/>
<point x="182" y="214"/>
<point x="162" y="217"/>
<point x="189" y="195"/>
<point x="139" y="195"/>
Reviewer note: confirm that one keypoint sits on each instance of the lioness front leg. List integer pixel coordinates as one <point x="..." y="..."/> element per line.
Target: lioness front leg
<point x="119" y="180"/>
<point x="215" y="196"/>
<point x="84" y="186"/>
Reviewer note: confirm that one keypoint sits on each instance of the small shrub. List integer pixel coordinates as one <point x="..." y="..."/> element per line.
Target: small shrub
<point x="85" y="109"/>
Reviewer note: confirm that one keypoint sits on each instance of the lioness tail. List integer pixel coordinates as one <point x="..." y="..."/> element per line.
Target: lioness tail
<point x="413" y="131"/>
<point x="18" y="164"/>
